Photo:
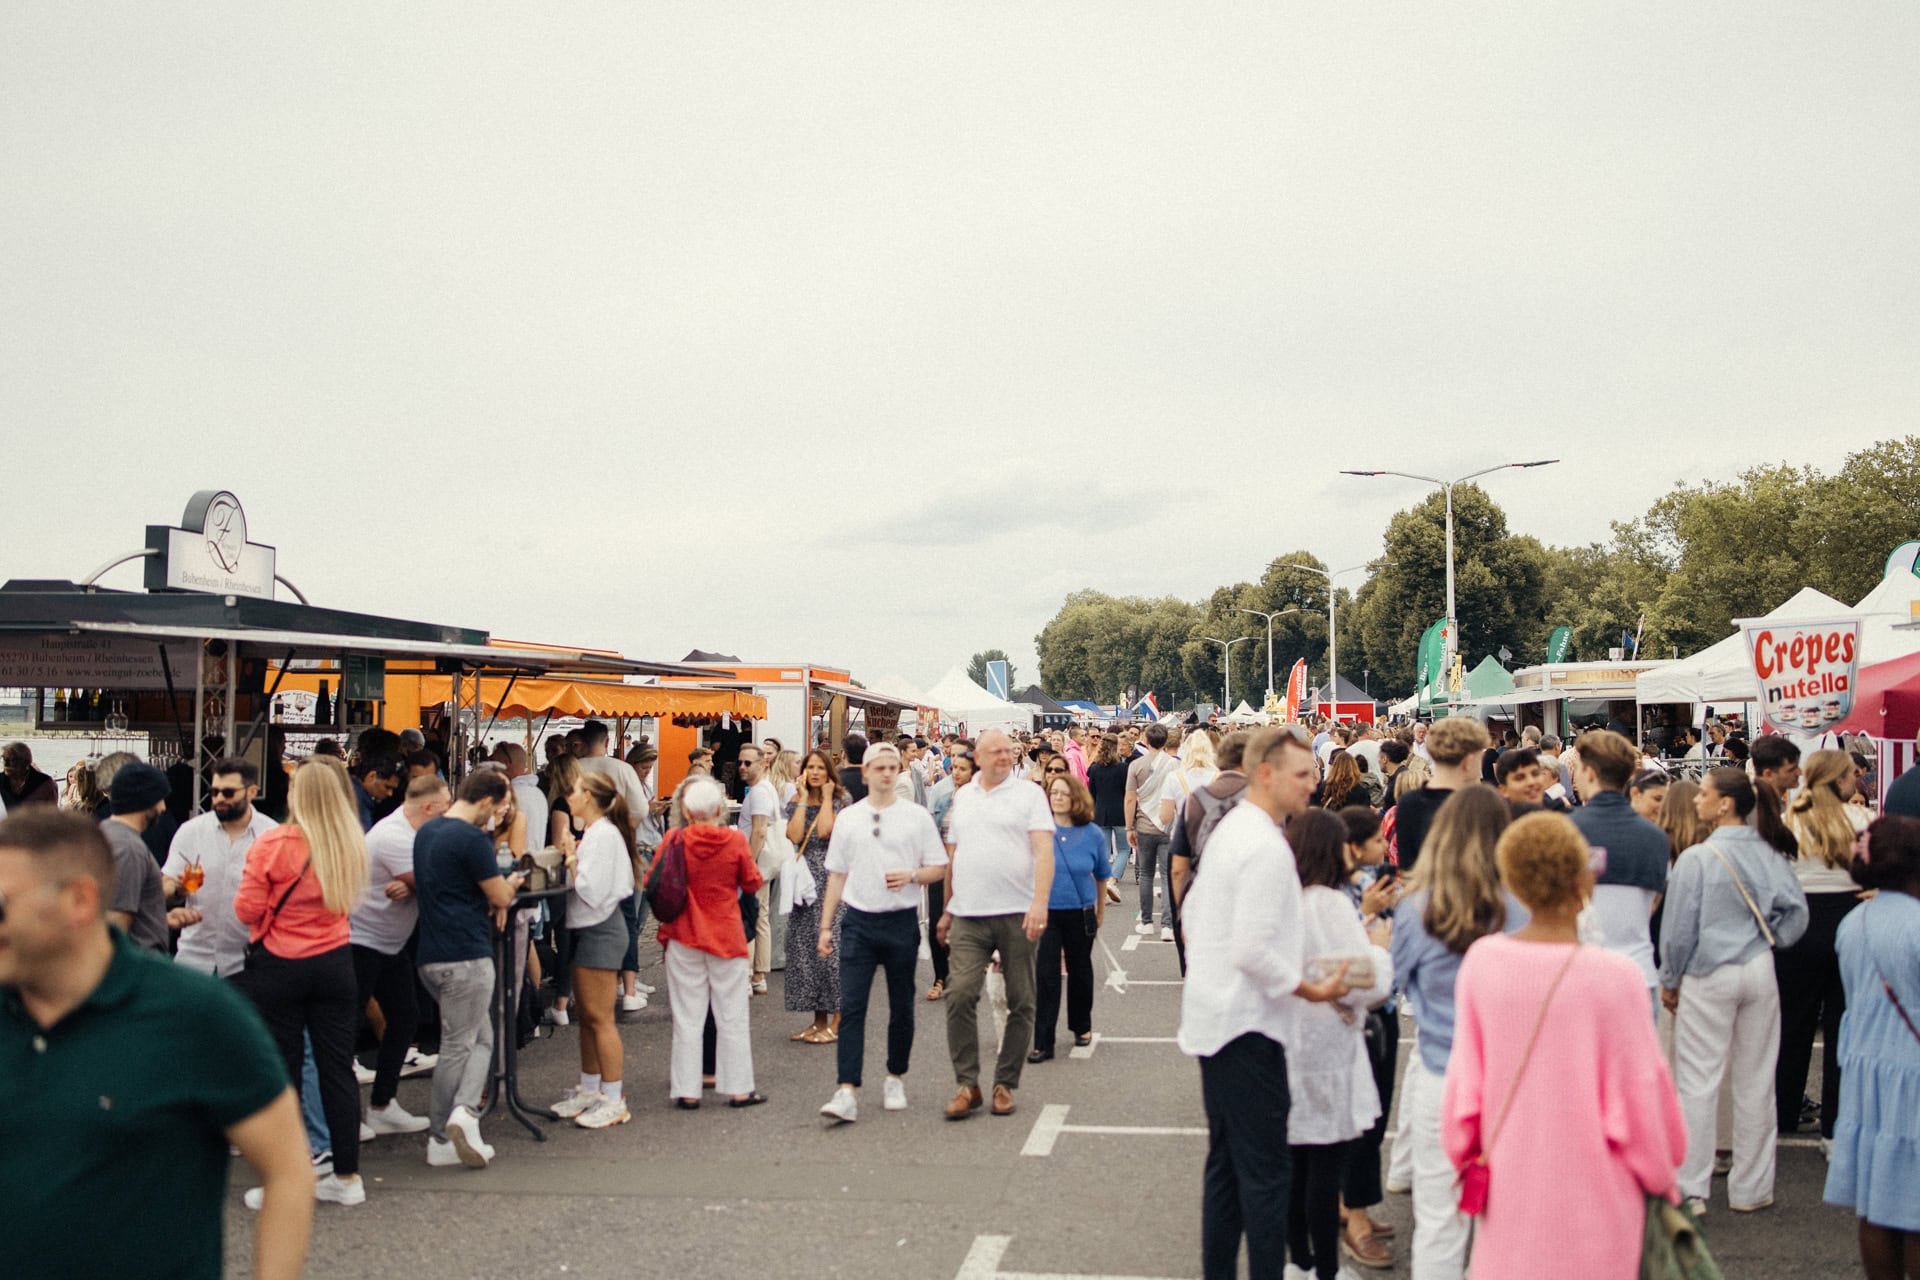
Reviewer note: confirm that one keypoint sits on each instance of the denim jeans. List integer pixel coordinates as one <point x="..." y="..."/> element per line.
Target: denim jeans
<point x="318" y="1139"/>
<point x="1118" y="850"/>
<point x="870" y="940"/>
<point x="1153" y="854"/>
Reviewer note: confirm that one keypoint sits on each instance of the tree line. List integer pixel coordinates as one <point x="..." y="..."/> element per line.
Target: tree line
<point x="1677" y="576"/>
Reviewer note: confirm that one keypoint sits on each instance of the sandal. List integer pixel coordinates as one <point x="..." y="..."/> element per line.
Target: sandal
<point x="937" y="990"/>
<point x="687" y="1104"/>
<point x="804" y="1033"/>
<point x="751" y="1100"/>
<point x="817" y="1035"/>
<point x="828" y="1035"/>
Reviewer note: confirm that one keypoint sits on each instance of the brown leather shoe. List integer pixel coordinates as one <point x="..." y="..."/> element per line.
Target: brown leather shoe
<point x="1002" y="1100"/>
<point x="964" y="1103"/>
<point x="1368" y="1252"/>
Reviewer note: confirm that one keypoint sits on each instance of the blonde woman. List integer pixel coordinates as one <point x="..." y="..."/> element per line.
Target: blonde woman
<point x="1824" y="822"/>
<point x="83" y="794"/>
<point x="604" y="875"/>
<point x="301" y="881"/>
<point x="784" y="773"/>
<point x="1198" y="767"/>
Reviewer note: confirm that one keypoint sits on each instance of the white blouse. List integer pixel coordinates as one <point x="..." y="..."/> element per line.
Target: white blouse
<point x="602" y="876"/>
<point x="1334" y="1099"/>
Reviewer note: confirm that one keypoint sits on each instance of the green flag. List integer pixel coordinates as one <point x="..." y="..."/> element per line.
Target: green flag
<point x="1557" y="644"/>
<point x="1433" y="670"/>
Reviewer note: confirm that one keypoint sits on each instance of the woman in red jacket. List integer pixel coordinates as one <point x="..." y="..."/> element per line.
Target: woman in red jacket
<point x="300" y="883"/>
<point x="707" y="955"/>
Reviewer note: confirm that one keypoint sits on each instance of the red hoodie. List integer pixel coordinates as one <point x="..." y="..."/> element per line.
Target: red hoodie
<point x="719" y="868"/>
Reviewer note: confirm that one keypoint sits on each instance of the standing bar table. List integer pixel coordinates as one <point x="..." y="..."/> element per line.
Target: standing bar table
<point x="504" y="1074"/>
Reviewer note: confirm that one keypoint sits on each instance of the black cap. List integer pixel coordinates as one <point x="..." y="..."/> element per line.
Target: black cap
<point x="138" y="787"/>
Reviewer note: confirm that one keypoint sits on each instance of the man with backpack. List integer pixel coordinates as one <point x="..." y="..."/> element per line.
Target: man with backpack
<point x="1194" y="824"/>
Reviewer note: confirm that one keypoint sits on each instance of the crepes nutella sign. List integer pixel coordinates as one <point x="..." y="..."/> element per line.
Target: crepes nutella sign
<point x="1805" y="671"/>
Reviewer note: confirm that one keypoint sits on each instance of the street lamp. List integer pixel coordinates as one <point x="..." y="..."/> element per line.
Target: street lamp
<point x="1226" y="663"/>
<point x="1453" y="629"/>
<point x="1261" y="613"/>
<point x="1333" y="638"/>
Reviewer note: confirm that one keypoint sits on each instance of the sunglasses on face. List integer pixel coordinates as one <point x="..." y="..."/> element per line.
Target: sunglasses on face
<point x="1056" y="769"/>
<point x="226" y="793"/>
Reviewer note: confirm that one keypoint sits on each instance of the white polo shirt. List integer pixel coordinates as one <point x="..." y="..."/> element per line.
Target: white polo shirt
<point x="379" y="922"/>
<point x="905" y="841"/>
<point x="993" y="849"/>
<point x="218" y="944"/>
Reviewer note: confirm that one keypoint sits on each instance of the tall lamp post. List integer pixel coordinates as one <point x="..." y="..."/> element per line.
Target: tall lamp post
<point x="1226" y="664"/>
<point x="1261" y="613"/>
<point x="1446" y="486"/>
<point x="1333" y="637"/>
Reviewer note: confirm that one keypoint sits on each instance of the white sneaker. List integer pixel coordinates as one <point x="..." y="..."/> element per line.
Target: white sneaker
<point x="442" y="1155"/>
<point x="1143" y="927"/>
<point x="1398" y="1188"/>
<point x="842" y="1106"/>
<point x="341" y="1191"/>
<point x="558" y="1017"/>
<point x="604" y="1113"/>
<point x="1296" y="1273"/>
<point x="362" y="1075"/>
<point x="367" y="1132"/>
<point x="418" y="1063"/>
<point x="895" y="1098"/>
<point x="394" y="1118"/>
<point x="1826" y="1150"/>
<point x="575" y="1102"/>
<point x="759" y="986"/>
<point x="463" y="1130"/>
<point x="1696" y="1206"/>
<point x="643" y="988"/>
<point x="633" y="1003"/>
<point x="1166" y="933"/>
<point x="255" y="1197"/>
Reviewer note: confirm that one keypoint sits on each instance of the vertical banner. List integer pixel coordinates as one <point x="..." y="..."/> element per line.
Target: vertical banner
<point x="1557" y="644"/>
<point x="997" y="680"/>
<point x="1431" y="674"/>
<point x="1297" y="689"/>
<point x="1804" y="671"/>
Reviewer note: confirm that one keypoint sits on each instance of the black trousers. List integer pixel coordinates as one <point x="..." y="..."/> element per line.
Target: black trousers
<point x="317" y="997"/>
<point x="1811" y="998"/>
<point x="1313" y="1211"/>
<point x="1362" y="1180"/>
<point x="389" y="980"/>
<point x="936" y="906"/>
<point x="870" y="940"/>
<point x="1246" y="1187"/>
<point x="1066" y="932"/>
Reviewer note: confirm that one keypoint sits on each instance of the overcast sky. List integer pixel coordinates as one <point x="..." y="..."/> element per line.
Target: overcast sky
<point x="861" y="334"/>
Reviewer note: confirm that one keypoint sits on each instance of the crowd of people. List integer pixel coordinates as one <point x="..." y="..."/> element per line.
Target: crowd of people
<point x="1597" y="957"/>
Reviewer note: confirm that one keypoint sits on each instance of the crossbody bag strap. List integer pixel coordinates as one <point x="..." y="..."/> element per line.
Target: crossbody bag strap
<point x="1513" y="1087"/>
<point x="274" y="913"/>
<point x="1765" y="931"/>
<point x="1887" y="986"/>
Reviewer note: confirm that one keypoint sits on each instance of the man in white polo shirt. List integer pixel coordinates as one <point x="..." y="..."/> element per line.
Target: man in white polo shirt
<point x="998" y="883"/>
<point x="882" y="850"/>
<point x="216" y="842"/>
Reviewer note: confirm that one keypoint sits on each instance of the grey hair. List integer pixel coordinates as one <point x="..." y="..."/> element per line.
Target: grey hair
<point x="702" y="799"/>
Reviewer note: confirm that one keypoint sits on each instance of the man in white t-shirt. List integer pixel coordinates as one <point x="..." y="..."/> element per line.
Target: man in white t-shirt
<point x="594" y="759"/>
<point x="217" y="842"/>
<point x="527" y="796"/>
<point x="380" y="926"/>
<point x="998" y="883"/>
<point x="759" y="810"/>
<point x="882" y="850"/>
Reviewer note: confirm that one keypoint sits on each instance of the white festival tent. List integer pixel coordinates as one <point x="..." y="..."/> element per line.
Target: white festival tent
<point x="1244" y="714"/>
<point x="962" y="701"/>
<point x="1720" y="672"/>
<point x="1406" y="708"/>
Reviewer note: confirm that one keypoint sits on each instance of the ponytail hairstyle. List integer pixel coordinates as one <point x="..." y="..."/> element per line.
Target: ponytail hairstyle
<point x="600" y="786"/>
<point x="321" y="807"/>
<point x="1758" y="801"/>
<point x="1819" y="813"/>
<point x="1890" y="856"/>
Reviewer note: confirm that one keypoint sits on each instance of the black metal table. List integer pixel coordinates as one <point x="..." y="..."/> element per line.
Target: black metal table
<point x="504" y="1074"/>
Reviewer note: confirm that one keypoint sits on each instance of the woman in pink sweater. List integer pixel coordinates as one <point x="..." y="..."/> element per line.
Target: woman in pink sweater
<point x="1592" y="1126"/>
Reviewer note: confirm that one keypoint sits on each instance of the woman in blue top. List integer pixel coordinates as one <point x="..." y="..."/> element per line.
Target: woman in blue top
<point x="1075" y="911"/>
<point x="1876" y="1142"/>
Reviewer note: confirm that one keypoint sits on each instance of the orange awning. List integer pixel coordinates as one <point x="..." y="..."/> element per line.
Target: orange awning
<point x="531" y="699"/>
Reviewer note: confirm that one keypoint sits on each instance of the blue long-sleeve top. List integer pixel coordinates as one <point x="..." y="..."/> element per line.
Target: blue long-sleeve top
<point x="1425" y="970"/>
<point x="1080" y="867"/>
<point x="1706" y="923"/>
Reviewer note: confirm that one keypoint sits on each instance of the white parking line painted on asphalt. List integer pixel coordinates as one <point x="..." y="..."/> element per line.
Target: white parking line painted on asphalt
<point x="983" y="1263"/>
<point x="1156" y="982"/>
<point x="1053" y="1122"/>
<point x="1099" y="1039"/>
<point x="1131" y="943"/>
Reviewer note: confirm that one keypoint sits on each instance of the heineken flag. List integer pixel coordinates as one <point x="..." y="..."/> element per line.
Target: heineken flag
<point x="1432" y="667"/>
<point x="1557" y="644"/>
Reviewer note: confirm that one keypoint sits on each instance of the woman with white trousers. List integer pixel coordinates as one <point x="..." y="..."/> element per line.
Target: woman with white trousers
<point x="1730" y="901"/>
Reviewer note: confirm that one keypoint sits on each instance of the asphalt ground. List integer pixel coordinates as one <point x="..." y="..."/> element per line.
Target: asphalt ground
<point x="776" y="1191"/>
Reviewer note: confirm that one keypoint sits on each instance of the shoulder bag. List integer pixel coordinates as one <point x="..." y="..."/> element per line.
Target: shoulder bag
<point x="1474" y="1180"/>
<point x="258" y="948"/>
<point x="1766" y="930"/>
<point x="666" y="885"/>
<point x="1673" y="1248"/>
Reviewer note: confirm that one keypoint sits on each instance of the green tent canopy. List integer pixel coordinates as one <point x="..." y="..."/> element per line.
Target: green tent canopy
<point x="1489" y="679"/>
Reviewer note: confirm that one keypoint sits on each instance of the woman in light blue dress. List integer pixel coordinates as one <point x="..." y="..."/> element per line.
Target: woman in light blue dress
<point x="1876" y="1142"/>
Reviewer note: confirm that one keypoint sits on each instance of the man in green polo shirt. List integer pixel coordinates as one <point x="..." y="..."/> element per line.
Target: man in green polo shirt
<point x="126" y="1077"/>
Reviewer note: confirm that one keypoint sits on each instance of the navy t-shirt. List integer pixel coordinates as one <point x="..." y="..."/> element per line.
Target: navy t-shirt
<point x="451" y="860"/>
